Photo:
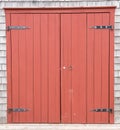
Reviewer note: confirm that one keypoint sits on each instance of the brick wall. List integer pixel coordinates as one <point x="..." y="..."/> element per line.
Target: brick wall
<point x="56" y="3"/>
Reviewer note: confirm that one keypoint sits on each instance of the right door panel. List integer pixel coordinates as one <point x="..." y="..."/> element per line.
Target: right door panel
<point x="97" y="68"/>
<point x="85" y="68"/>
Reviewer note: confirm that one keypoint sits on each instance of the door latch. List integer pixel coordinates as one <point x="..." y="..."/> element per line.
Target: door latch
<point x="67" y="67"/>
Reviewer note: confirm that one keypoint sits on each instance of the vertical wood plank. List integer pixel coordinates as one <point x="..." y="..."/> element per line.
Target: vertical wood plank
<point x="111" y="105"/>
<point x="54" y="68"/>
<point x="79" y="68"/>
<point x="37" y="68"/>
<point x="105" y="68"/>
<point x="22" y="68"/>
<point x="97" y="67"/>
<point x="9" y="69"/>
<point x="15" y="66"/>
<point x="90" y="68"/>
<point x="65" y="73"/>
<point x="29" y="69"/>
<point x="44" y="67"/>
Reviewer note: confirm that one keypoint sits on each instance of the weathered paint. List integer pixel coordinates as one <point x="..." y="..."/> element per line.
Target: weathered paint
<point x="58" y="3"/>
<point x="35" y="67"/>
<point x="35" y="70"/>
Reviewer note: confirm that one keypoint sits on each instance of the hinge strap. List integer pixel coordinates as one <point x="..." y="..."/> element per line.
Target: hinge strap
<point x="102" y="27"/>
<point x="16" y="28"/>
<point x="102" y="110"/>
<point x="18" y="109"/>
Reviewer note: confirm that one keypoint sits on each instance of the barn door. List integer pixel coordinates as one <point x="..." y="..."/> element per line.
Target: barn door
<point x="34" y="92"/>
<point x="85" y="61"/>
<point x="59" y="68"/>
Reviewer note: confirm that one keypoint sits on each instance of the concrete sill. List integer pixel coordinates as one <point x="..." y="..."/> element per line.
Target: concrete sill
<point x="60" y="127"/>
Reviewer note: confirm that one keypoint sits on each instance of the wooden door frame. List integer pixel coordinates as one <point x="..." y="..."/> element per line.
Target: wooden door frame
<point x="104" y="9"/>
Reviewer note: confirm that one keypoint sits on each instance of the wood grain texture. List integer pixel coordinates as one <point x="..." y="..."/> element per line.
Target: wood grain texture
<point x="79" y="68"/>
<point x="36" y="68"/>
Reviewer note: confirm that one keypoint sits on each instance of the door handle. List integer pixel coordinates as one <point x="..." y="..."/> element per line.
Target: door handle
<point x="67" y="67"/>
<point x="64" y="67"/>
<point x="70" y="67"/>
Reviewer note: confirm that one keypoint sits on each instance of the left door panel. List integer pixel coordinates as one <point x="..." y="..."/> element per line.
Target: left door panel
<point x="35" y="68"/>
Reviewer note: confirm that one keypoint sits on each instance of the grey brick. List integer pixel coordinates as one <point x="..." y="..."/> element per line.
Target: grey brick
<point x="116" y="73"/>
<point x="2" y="73"/>
<point x="2" y="53"/>
<point x="4" y="80"/>
<point x="3" y="87"/>
<point x="117" y="11"/>
<point x="117" y="100"/>
<point x="117" y="80"/>
<point x="2" y="5"/>
<point x="117" y="60"/>
<point x="2" y="60"/>
<point x="4" y="66"/>
<point x="3" y="107"/>
<point x="117" y="87"/>
<point x="3" y="100"/>
<point x="2" y="13"/>
<point x="117" y="40"/>
<point x="3" y="113"/>
<point x="117" y="18"/>
<point x="117" y="32"/>
<point x="117" y="93"/>
<point x="117" y="67"/>
<point x="117" y="117"/>
<point x="2" y="33"/>
<point x="117" y="53"/>
<point x="2" y="19"/>
<point x="2" y="27"/>
<point x="3" y="94"/>
<point x="2" y="47"/>
<point x="2" y="39"/>
<point x="3" y="120"/>
<point x="117" y="107"/>
<point x="117" y="26"/>
<point x="115" y="3"/>
<point x="117" y="46"/>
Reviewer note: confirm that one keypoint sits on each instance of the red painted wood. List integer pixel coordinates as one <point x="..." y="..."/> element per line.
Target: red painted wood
<point x="111" y="63"/>
<point x="22" y="68"/>
<point x="79" y="68"/>
<point x="9" y="70"/>
<point x="105" y="68"/>
<point x="100" y="9"/>
<point x="15" y="67"/>
<point x="54" y="68"/>
<point x="34" y="70"/>
<point x="37" y="68"/>
<point x="44" y="67"/>
<point x="29" y="69"/>
<point x="90" y="67"/>
<point x="97" y="68"/>
<point x="66" y="88"/>
<point x="99" y="92"/>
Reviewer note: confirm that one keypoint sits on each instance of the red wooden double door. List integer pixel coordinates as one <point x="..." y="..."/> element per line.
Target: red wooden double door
<point x="59" y="68"/>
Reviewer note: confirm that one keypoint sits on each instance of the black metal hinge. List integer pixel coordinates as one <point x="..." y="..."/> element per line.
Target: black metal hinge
<point x="102" y="110"/>
<point x="8" y="28"/>
<point x="102" y="27"/>
<point x="18" y="110"/>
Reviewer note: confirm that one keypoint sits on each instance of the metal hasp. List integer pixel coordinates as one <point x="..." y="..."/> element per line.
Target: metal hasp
<point x="102" y="110"/>
<point x="16" y="28"/>
<point x="102" y="27"/>
<point x="18" y="110"/>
